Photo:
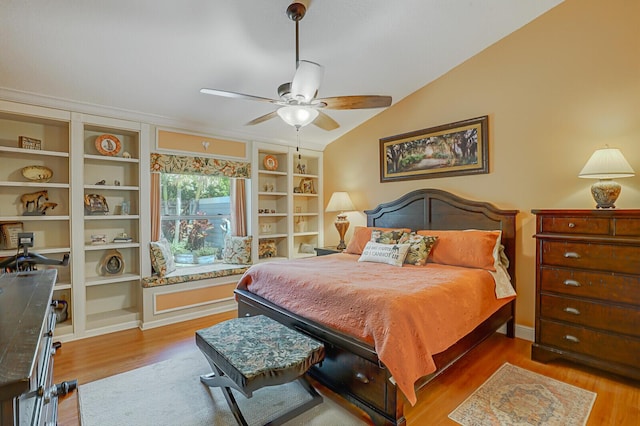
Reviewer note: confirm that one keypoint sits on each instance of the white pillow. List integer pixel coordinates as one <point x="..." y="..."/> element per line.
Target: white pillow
<point x="161" y="257"/>
<point x="392" y="254"/>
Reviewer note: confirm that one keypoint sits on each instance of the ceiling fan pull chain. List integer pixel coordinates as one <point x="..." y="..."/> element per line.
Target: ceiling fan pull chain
<point x="298" y="140"/>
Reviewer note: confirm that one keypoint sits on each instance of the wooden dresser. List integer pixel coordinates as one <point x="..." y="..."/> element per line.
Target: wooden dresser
<point x="588" y="288"/>
<point x="27" y="321"/>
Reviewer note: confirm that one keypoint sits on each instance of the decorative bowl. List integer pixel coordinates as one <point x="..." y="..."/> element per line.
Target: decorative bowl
<point x="37" y="173"/>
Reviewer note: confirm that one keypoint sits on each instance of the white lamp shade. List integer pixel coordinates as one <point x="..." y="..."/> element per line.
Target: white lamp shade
<point x="607" y="163"/>
<point x="297" y="116"/>
<point x="340" y="202"/>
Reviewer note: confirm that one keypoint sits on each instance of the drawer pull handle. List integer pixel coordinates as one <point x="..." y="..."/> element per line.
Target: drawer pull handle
<point x="571" y="310"/>
<point x="362" y="378"/>
<point x="572" y="255"/>
<point x="571" y="338"/>
<point x="572" y="225"/>
<point x="572" y="283"/>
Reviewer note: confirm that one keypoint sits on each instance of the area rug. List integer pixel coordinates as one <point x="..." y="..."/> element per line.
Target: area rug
<point x="515" y="396"/>
<point x="170" y="393"/>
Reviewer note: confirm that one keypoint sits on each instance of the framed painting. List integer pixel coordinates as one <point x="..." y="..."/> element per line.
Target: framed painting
<point x="454" y="149"/>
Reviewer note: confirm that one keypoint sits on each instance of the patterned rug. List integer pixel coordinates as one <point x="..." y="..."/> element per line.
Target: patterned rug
<point x="515" y="396"/>
<point x="169" y="393"/>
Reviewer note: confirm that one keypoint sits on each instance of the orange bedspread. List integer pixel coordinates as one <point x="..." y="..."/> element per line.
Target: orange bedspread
<point x="408" y="314"/>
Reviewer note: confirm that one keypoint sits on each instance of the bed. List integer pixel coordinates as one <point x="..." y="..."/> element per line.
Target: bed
<point x="353" y="367"/>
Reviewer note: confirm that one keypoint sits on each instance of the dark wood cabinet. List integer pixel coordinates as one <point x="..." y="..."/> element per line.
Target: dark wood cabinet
<point x="588" y="288"/>
<point x="27" y="320"/>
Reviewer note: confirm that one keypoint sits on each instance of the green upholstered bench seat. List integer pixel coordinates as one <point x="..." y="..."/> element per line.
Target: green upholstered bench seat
<point x="194" y="273"/>
<point x="249" y="353"/>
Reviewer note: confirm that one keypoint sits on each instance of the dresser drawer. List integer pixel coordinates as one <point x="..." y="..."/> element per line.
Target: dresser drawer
<point x="603" y="257"/>
<point x="627" y="227"/>
<point x="613" y="318"/>
<point x="595" y="285"/>
<point x="575" y="225"/>
<point x="605" y="346"/>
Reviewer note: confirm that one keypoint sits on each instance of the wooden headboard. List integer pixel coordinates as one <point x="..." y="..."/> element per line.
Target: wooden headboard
<point x="437" y="209"/>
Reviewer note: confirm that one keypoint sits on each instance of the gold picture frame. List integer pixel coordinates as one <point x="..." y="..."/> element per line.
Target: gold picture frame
<point x="307" y="186"/>
<point x="453" y="149"/>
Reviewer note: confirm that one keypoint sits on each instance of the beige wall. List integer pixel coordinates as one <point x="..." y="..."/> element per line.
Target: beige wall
<point x="556" y="90"/>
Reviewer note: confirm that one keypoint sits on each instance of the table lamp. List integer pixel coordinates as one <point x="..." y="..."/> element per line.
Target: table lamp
<point x="606" y="164"/>
<point x="340" y="202"/>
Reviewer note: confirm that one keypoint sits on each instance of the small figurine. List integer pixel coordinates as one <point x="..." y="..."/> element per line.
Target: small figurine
<point x="116" y="182"/>
<point x="47" y="205"/>
<point x="102" y="182"/>
<point x="31" y="202"/>
<point x="125" y="154"/>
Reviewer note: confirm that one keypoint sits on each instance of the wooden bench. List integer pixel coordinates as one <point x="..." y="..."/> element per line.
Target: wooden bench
<point x="250" y="353"/>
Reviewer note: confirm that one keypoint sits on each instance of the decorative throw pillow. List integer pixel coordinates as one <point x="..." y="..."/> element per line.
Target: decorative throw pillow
<point x="419" y="248"/>
<point x="161" y="257"/>
<point x="361" y="236"/>
<point x="471" y="248"/>
<point x="391" y="254"/>
<point x="237" y="250"/>
<point x="384" y="236"/>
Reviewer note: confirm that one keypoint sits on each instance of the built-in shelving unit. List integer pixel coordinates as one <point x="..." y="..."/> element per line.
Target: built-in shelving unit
<point x="52" y="229"/>
<point x="285" y="214"/>
<point x="112" y="296"/>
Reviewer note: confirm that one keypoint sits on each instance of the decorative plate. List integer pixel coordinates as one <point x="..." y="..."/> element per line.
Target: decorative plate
<point x="95" y="204"/>
<point x="108" y="145"/>
<point x="37" y="173"/>
<point x="270" y="162"/>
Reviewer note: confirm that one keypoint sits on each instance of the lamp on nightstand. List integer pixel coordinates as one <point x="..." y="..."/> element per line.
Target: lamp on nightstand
<point x="606" y="164"/>
<point x="340" y="202"/>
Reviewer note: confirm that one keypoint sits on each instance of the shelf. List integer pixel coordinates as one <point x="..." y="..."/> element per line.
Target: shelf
<point x="35" y="152"/>
<point x="305" y="214"/>
<point x="119" y="317"/>
<point x="272" y="215"/>
<point x="111" y="217"/>
<point x="302" y="175"/>
<point x="267" y="236"/>
<point x="110" y="246"/>
<point x="32" y="218"/>
<point x="271" y="172"/>
<point x="62" y="286"/>
<point x="63" y="328"/>
<point x="305" y="234"/>
<point x="108" y="158"/>
<point x="110" y="279"/>
<point x="39" y="250"/>
<point x="35" y="184"/>
<point x="113" y="187"/>
<point x="276" y="194"/>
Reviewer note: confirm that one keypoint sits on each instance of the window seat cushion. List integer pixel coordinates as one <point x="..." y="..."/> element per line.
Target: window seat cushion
<point x="194" y="273"/>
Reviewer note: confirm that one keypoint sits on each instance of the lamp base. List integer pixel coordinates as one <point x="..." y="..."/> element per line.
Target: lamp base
<point x="342" y="224"/>
<point x="605" y="192"/>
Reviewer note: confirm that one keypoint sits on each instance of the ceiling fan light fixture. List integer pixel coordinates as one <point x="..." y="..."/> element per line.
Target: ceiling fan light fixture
<point x="297" y="116"/>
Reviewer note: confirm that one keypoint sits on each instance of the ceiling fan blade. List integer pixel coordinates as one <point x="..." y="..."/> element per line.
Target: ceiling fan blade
<point x="356" y="102"/>
<point x="306" y="81"/>
<point x="325" y="122"/>
<point x="262" y="118"/>
<point x="236" y="95"/>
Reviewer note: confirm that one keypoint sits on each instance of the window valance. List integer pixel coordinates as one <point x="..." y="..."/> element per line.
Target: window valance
<point x="208" y="166"/>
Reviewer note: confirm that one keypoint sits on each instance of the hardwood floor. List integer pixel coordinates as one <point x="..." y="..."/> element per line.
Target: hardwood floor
<point x="617" y="403"/>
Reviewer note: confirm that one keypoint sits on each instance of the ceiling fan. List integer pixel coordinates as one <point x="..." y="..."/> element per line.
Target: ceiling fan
<point x="298" y="103"/>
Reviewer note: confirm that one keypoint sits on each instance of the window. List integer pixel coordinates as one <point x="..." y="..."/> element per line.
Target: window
<point x="195" y="216"/>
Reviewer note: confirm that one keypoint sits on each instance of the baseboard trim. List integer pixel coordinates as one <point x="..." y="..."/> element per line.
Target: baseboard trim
<point x="522" y="332"/>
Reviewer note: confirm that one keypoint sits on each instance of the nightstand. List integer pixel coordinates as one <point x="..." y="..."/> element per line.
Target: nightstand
<point x="323" y="251"/>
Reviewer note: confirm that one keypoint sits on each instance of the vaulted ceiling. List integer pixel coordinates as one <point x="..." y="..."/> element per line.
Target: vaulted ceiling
<point x="148" y="59"/>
